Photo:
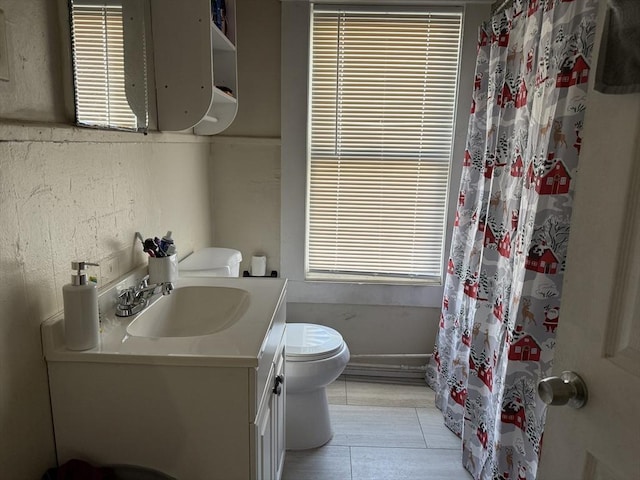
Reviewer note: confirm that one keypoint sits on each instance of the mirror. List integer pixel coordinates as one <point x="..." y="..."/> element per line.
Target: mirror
<point x="109" y="53"/>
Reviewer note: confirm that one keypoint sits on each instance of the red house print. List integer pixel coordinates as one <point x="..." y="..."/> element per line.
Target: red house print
<point x="472" y="362"/>
<point x="482" y="435"/>
<point x="521" y="97"/>
<point x="473" y="106"/>
<point x="574" y="71"/>
<point x="531" y="176"/>
<point x="456" y="223"/>
<point x="467" y="159"/>
<point x="533" y="7"/>
<point x="459" y="394"/>
<point x="485" y="373"/>
<point x="526" y="349"/>
<point x="541" y="262"/>
<point x="488" y="168"/>
<point x="504" y="245"/>
<point x="484" y="38"/>
<point x="450" y="267"/>
<point x="505" y="96"/>
<point x="513" y="416"/>
<point x="471" y="287"/>
<point x="502" y="38"/>
<point x="555" y="182"/>
<point x="517" y="167"/>
<point x="549" y="5"/>
<point x="489" y="236"/>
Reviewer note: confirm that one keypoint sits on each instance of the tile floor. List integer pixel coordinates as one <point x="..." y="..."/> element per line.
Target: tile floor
<point x="381" y="432"/>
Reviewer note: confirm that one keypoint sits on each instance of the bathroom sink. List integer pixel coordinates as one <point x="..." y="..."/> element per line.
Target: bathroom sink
<point x="191" y="311"/>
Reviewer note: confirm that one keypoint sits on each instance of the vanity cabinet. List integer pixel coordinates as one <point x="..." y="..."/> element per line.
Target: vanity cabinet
<point x="270" y="427"/>
<point x="189" y="415"/>
<point x="195" y="66"/>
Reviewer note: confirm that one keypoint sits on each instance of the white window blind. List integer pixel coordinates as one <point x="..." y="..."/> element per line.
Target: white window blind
<point x="383" y="94"/>
<point x="98" y="63"/>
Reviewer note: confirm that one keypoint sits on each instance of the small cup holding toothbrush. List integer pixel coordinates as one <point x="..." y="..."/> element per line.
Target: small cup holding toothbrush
<point x="163" y="269"/>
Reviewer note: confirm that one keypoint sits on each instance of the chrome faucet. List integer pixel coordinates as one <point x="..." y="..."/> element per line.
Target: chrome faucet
<point x="134" y="299"/>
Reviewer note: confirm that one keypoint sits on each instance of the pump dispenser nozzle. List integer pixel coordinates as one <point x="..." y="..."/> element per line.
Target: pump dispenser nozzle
<point x="80" y="278"/>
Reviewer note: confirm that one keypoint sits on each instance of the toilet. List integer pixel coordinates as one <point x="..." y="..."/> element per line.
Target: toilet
<point x="315" y="356"/>
<point x="211" y="262"/>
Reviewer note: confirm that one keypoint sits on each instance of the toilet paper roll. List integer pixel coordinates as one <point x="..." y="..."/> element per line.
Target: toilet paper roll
<point x="258" y="266"/>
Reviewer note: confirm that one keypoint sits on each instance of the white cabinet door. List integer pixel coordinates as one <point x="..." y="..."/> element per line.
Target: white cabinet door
<point x="599" y="329"/>
<point x="264" y="443"/>
<point x="278" y="416"/>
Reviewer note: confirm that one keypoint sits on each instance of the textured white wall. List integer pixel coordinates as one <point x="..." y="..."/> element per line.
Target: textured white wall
<point x="245" y="183"/>
<point x="35" y="90"/>
<point x="68" y="194"/>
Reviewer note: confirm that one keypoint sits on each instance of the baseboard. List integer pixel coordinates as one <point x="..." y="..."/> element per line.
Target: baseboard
<point x="384" y="372"/>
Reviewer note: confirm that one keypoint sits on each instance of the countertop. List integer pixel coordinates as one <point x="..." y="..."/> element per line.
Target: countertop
<point x="240" y="345"/>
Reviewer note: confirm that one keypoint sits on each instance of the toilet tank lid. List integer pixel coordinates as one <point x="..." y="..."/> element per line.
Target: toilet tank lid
<point x="211" y="258"/>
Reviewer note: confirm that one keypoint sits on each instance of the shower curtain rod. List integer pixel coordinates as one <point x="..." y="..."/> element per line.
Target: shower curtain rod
<point x="503" y="6"/>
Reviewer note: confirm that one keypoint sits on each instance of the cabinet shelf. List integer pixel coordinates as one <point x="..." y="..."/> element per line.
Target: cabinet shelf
<point x="192" y="55"/>
<point x="220" y="97"/>
<point x="220" y="41"/>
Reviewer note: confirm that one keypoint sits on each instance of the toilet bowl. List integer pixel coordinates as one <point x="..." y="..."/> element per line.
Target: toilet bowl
<point x="315" y="356"/>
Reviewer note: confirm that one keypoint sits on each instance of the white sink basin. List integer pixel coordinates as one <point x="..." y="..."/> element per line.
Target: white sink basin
<point x="191" y="311"/>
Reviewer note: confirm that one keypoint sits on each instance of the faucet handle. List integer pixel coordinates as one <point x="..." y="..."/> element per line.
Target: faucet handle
<point x="126" y="296"/>
<point x="144" y="282"/>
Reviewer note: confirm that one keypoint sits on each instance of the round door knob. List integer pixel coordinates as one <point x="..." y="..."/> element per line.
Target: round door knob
<point x="567" y="389"/>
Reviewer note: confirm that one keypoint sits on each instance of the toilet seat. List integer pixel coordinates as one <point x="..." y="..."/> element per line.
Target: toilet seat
<point x="306" y="342"/>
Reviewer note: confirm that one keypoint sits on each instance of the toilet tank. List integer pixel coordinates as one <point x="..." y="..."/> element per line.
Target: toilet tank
<point x="211" y="262"/>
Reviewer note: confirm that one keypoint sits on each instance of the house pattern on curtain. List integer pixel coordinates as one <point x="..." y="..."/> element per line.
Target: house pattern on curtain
<point x="501" y="303"/>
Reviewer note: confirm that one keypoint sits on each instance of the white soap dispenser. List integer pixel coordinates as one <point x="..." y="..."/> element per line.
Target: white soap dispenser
<point x="81" y="322"/>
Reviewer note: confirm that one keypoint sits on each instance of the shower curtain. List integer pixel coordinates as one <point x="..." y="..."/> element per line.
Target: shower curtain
<point x="501" y="302"/>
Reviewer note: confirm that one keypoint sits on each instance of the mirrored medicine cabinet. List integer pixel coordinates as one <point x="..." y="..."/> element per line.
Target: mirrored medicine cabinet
<point x="109" y="54"/>
<point x="191" y="47"/>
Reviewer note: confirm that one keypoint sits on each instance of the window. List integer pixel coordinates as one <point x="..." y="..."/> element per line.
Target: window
<point x="99" y="66"/>
<point x="383" y="94"/>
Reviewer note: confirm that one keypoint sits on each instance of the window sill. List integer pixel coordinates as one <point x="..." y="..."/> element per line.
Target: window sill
<point x="373" y="280"/>
<point x="352" y="293"/>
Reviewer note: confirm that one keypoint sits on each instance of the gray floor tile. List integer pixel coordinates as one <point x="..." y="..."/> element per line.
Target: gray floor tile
<point x="406" y="464"/>
<point x="436" y="435"/>
<point x="375" y="426"/>
<point x="326" y="463"/>
<point x="389" y="395"/>
<point x="381" y="432"/>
